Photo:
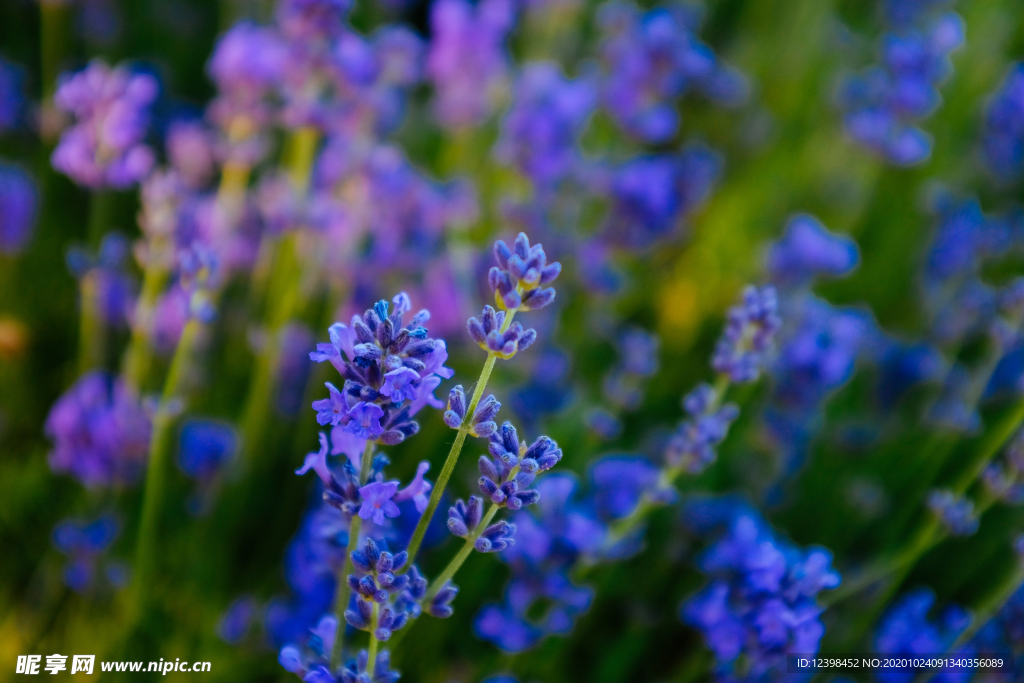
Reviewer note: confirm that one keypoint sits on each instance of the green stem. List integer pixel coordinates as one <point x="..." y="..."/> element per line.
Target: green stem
<point x="159" y="451"/>
<point x="92" y="337"/>
<point x="344" y="591"/>
<point x="454" y="452"/>
<point x="139" y="355"/>
<point x="371" y="660"/>
<point x="449" y="572"/>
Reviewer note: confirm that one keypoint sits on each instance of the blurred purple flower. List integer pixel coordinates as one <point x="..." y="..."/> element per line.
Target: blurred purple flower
<point x="19" y="200"/>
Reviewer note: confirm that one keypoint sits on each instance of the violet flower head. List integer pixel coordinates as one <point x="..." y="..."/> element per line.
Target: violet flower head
<point x="954" y="511"/>
<point x="512" y="467"/>
<point x="540" y="132"/>
<point x="906" y="629"/>
<point x="653" y="59"/>
<point x="761" y="601"/>
<point x="191" y="149"/>
<point x="105" y="145"/>
<point x="1003" y="132"/>
<point x="391" y="370"/>
<point x="519" y="279"/>
<point x="467" y="62"/>
<point x="105" y="279"/>
<point x="418" y="489"/>
<point x="807" y="249"/>
<point x="377" y="503"/>
<point x="652" y="195"/>
<point x="620" y="482"/>
<point x="397" y="596"/>
<point x="19" y="202"/>
<point x="749" y="334"/>
<point x="312" y="20"/>
<point x="206" y="447"/>
<point x="12" y="97"/>
<point x="100" y="432"/>
<point x="883" y="105"/>
<point x="482" y="423"/>
<point x="83" y="543"/>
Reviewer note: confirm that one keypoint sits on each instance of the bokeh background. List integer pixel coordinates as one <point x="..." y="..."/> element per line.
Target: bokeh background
<point x="838" y="445"/>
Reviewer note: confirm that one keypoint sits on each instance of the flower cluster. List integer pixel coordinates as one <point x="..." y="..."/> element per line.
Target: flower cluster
<point x="314" y="665"/>
<point x="807" y="250"/>
<point x="513" y="466"/>
<point x="906" y="629"/>
<point x="467" y="62"/>
<point x="761" y="602"/>
<point x="955" y="512"/>
<point x="105" y="147"/>
<point x="84" y="543"/>
<point x="19" y="200"/>
<point x="692" y="447"/>
<point x="100" y="432"/>
<point x="381" y="588"/>
<point x="653" y="59"/>
<point x="391" y="371"/>
<point x="883" y="105"/>
<point x="748" y="336"/>
<point x="482" y="423"/>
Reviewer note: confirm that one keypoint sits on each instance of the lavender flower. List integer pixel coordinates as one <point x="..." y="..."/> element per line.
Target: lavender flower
<point x="692" y="446"/>
<point x="955" y="512"/>
<point x="398" y="595"/>
<point x="748" y="335"/>
<point x="653" y="194"/>
<point x="83" y="543"/>
<point x="620" y="482"/>
<point x="906" y="629"/>
<point x="100" y="432"/>
<point x="883" y="105"/>
<point x="652" y="60"/>
<point x="467" y="62"/>
<point x="761" y="602"/>
<point x="313" y="664"/>
<point x="417" y="489"/>
<point x="1003" y="133"/>
<point x="312" y="20"/>
<point x="237" y="619"/>
<point x="519" y="278"/>
<point x="513" y="466"/>
<point x="206" y="447"/>
<point x="104" y="147"/>
<point x="540" y="131"/>
<point x="390" y="371"/>
<point x="19" y="202"/>
<point x="191" y="150"/>
<point x="377" y="503"/>
<point x="105" y="276"/>
<point x="482" y="423"/>
<point x="807" y="249"/>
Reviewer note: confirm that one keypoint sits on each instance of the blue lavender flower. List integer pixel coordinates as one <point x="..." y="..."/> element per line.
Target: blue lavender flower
<point x="548" y="390"/>
<point x="883" y="105"/>
<point x="312" y="20"/>
<point x="378" y="356"/>
<point x="12" y="97"/>
<point x="807" y="249"/>
<point x="513" y="466"/>
<point x="205" y="447"/>
<point x="312" y="664"/>
<point x="954" y="511"/>
<point x="519" y="279"/>
<point x="19" y="201"/>
<point x="1003" y="133"/>
<point x="482" y="423"/>
<point x="84" y="543"/>
<point x="107" y="276"/>
<point x="654" y="58"/>
<point x="540" y="131"/>
<point x="238" y="618"/>
<point x="749" y="333"/>
<point x="379" y="583"/>
<point x="761" y="602"/>
<point x="619" y="482"/>
<point x="100" y="432"/>
<point x="652" y="195"/>
<point x="964" y="236"/>
<point x="551" y="538"/>
<point x="906" y="629"/>
<point x="691" y="447"/>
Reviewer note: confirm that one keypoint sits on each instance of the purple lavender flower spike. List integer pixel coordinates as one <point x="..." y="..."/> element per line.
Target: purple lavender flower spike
<point x="19" y="202"/>
<point x="748" y="335"/>
<point x="652" y="60"/>
<point x="540" y="131"/>
<point x="417" y="489"/>
<point x="377" y="503"/>
<point x="100" y="432"/>
<point x="391" y="370"/>
<point x="104" y="147"/>
<point x="312" y="20"/>
<point x="955" y="512"/>
<point x="513" y="467"/>
<point x="692" y="446"/>
<point x="440" y="606"/>
<point x="468" y="62"/>
<point x="206" y="447"/>
<point x="808" y="249"/>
